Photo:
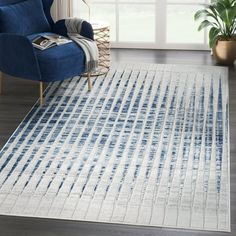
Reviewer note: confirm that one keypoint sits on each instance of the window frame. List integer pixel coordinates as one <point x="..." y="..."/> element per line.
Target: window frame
<point x="160" y="29"/>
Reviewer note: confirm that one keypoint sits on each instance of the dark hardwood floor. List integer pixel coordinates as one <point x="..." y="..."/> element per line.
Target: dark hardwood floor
<point x="20" y="95"/>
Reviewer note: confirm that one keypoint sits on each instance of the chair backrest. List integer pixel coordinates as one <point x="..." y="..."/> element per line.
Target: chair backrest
<point x="46" y="5"/>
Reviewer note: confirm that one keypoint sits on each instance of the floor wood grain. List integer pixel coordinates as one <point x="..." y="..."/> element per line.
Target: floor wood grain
<point x="19" y="96"/>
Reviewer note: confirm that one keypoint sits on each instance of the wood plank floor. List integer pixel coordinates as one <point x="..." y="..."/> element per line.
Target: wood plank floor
<point x="20" y="95"/>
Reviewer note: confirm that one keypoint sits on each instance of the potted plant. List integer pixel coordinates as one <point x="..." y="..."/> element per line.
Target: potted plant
<point x="220" y="16"/>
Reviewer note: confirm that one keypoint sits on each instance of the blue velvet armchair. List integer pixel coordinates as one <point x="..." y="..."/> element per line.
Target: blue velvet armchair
<point x="21" y="21"/>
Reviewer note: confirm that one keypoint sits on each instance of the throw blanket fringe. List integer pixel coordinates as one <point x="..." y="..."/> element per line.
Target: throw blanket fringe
<point x="89" y="46"/>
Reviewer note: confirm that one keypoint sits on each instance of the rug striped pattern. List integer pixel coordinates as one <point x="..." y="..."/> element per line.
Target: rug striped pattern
<point x="149" y="145"/>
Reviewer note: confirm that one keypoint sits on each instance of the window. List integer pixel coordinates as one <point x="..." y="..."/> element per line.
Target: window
<point x="148" y="23"/>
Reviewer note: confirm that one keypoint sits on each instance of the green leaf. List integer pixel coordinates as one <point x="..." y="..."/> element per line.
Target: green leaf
<point x="200" y="13"/>
<point x="205" y="24"/>
<point x="224" y="3"/>
<point x="213" y="41"/>
<point x="214" y="12"/>
<point x="207" y="12"/>
<point x="213" y="32"/>
<point x="225" y="16"/>
<point x="228" y="16"/>
<point x="219" y="7"/>
<point x="232" y="14"/>
<point x="213" y="35"/>
<point x="213" y="9"/>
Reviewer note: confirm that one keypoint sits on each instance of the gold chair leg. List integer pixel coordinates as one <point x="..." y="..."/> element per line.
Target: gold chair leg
<point x="1" y="82"/>
<point x="41" y="93"/>
<point x="89" y="82"/>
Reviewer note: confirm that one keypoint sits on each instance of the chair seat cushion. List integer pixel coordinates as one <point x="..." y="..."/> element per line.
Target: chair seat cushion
<point x="60" y="62"/>
<point x="23" y="18"/>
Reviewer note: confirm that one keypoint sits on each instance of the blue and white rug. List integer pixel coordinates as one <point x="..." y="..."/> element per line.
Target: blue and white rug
<point x="149" y="145"/>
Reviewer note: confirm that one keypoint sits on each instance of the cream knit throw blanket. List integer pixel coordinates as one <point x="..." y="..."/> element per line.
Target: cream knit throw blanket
<point x="89" y="46"/>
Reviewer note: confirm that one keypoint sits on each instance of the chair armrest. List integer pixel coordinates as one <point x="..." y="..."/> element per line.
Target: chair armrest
<point x="18" y="57"/>
<point x="86" y="30"/>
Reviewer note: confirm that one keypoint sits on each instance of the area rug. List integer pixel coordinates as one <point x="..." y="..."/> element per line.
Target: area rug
<point x="148" y="146"/>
